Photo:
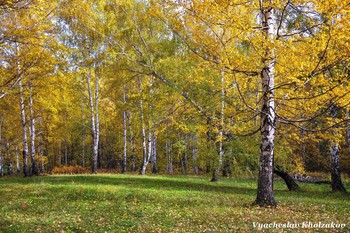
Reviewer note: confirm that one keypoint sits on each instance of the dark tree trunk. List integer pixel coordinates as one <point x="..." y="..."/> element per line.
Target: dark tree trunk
<point x="214" y="177"/>
<point x="290" y="182"/>
<point x="336" y="182"/>
<point x="226" y="171"/>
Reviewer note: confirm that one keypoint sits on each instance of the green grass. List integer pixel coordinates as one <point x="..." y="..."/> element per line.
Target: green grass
<point x="130" y="203"/>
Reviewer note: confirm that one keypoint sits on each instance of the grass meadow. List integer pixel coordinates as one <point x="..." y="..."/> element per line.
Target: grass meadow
<point x="133" y="203"/>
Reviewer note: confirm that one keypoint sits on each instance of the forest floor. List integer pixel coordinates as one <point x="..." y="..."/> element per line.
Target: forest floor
<point x="132" y="203"/>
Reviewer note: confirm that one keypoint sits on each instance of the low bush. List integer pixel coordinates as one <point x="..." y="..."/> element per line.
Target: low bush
<point x="69" y="170"/>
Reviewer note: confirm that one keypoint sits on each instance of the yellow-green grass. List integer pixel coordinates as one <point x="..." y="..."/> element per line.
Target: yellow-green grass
<point x="132" y="203"/>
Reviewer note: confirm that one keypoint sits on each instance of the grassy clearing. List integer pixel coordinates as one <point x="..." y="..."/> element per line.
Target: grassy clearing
<point x="130" y="203"/>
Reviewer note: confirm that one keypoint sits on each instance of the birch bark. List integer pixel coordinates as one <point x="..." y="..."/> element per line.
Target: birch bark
<point x="265" y="194"/>
<point x="32" y="133"/>
<point x="125" y="132"/>
<point x="95" y="122"/>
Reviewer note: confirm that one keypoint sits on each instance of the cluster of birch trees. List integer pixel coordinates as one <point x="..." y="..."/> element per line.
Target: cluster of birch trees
<point x="176" y="86"/>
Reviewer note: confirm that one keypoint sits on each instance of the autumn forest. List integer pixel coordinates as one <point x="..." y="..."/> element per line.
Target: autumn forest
<point x="193" y="87"/>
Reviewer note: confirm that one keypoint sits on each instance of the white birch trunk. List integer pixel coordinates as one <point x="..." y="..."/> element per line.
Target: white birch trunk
<point x="222" y="117"/>
<point x="83" y="136"/>
<point x="336" y="181"/>
<point x="125" y="132"/>
<point x="25" y="151"/>
<point x="144" y="146"/>
<point x="32" y="133"/>
<point x="17" y="160"/>
<point x="97" y="117"/>
<point x="265" y="195"/>
<point x="95" y="123"/>
<point x="154" y="154"/>
<point x="152" y="151"/>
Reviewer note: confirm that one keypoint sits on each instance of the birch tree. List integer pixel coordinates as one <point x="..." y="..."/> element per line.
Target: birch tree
<point x="95" y="120"/>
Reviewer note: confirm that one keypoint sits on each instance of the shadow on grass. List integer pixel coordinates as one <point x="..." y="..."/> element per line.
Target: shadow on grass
<point x="155" y="183"/>
<point x="163" y="183"/>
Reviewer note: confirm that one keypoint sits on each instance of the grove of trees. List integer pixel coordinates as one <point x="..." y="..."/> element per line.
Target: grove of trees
<point x="189" y="87"/>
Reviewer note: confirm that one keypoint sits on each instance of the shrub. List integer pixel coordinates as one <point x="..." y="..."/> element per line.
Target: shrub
<point x="69" y="170"/>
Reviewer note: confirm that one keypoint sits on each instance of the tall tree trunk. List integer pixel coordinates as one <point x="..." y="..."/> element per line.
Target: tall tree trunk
<point x="215" y="176"/>
<point x="83" y="136"/>
<point x="32" y="133"/>
<point x="336" y="182"/>
<point x="59" y="159"/>
<point x="149" y="141"/>
<point x="131" y="144"/>
<point x="168" y="149"/>
<point x="125" y="131"/>
<point x="95" y="122"/>
<point x="153" y="140"/>
<point x="265" y="194"/>
<point x="41" y="146"/>
<point x="65" y="150"/>
<point x="144" y="146"/>
<point x="25" y="151"/>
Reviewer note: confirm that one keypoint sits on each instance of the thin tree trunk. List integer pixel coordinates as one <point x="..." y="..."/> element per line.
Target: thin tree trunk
<point x="194" y="154"/>
<point x="227" y="164"/>
<point x="131" y="144"/>
<point x="265" y="194"/>
<point x="41" y="147"/>
<point x="8" y="146"/>
<point x="215" y="176"/>
<point x="59" y="160"/>
<point x="95" y="123"/>
<point x="154" y="154"/>
<point x="83" y="136"/>
<point x="125" y="132"/>
<point x="169" y="166"/>
<point x="1" y="156"/>
<point x="25" y="151"/>
<point x="184" y="157"/>
<point x="149" y="141"/>
<point x="65" y="150"/>
<point x="144" y="146"/>
<point x="18" y="168"/>
<point x="32" y="133"/>
<point x="152" y="146"/>
<point x="97" y="117"/>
